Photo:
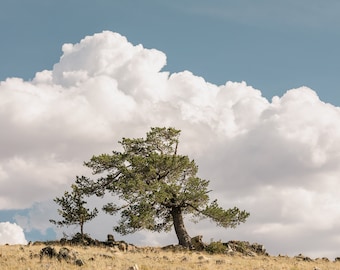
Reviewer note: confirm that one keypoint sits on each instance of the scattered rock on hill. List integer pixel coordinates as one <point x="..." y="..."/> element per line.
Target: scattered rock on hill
<point x="64" y="254"/>
<point x="301" y="257"/>
<point x="231" y="247"/>
<point x="85" y="240"/>
<point x="49" y="252"/>
<point x="174" y="248"/>
<point x="245" y="248"/>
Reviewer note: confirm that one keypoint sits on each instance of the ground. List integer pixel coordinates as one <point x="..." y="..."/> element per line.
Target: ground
<point x="146" y="258"/>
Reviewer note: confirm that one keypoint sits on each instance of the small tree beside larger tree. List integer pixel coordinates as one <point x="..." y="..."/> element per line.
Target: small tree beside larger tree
<point x="156" y="186"/>
<point x="73" y="210"/>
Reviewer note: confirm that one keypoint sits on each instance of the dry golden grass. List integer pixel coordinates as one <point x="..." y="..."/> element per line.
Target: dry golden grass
<point x="16" y="257"/>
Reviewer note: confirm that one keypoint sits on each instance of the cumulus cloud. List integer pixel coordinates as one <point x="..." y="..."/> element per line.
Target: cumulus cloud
<point x="37" y="217"/>
<point x="11" y="233"/>
<point x="277" y="159"/>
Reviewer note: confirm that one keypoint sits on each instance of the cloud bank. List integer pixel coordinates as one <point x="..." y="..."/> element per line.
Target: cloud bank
<point x="11" y="233"/>
<point x="277" y="159"/>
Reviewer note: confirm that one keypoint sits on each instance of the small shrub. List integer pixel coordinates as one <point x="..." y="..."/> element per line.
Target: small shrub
<point x="216" y="247"/>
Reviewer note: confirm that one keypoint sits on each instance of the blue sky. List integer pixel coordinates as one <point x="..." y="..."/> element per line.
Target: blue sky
<point x="272" y="45"/>
<point x="71" y="101"/>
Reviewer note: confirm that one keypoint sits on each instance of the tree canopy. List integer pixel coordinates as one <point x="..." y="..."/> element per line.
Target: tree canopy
<point x="157" y="186"/>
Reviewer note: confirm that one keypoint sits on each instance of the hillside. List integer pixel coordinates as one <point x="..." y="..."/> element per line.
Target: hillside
<point x="68" y="256"/>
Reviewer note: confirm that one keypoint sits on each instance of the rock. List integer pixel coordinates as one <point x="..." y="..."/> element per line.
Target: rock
<point x="131" y="247"/>
<point x="64" y="254"/>
<point x="79" y="262"/>
<point x="197" y="243"/>
<point x="122" y="246"/>
<point x="221" y="261"/>
<point x="203" y="259"/>
<point x="229" y="250"/>
<point x="114" y="249"/>
<point x="48" y="252"/>
<point x="110" y="238"/>
<point x="301" y="257"/>
<point x="250" y="254"/>
<point x="337" y="259"/>
<point x="323" y="259"/>
<point x="175" y="248"/>
<point x="258" y="249"/>
<point x="245" y="248"/>
<point x="63" y="241"/>
<point x="109" y="244"/>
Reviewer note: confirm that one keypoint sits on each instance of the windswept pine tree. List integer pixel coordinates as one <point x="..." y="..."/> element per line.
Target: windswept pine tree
<point x="157" y="185"/>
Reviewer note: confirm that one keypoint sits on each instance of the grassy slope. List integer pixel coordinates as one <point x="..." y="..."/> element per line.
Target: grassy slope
<point x="27" y="258"/>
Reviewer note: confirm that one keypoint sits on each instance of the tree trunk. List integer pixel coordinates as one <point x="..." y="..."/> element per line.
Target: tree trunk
<point x="182" y="235"/>
<point x="82" y="231"/>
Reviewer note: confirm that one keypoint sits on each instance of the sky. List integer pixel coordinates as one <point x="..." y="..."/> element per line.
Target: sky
<point x="253" y="87"/>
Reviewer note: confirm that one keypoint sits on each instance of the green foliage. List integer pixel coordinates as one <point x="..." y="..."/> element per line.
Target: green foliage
<point x="155" y="182"/>
<point x="216" y="247"/>
<point x="225" y="218"/>
<point x="72" y="209"/>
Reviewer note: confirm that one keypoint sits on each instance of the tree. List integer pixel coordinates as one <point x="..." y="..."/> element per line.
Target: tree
<point x="73" y="210"/>
<point x="156" y="186"/>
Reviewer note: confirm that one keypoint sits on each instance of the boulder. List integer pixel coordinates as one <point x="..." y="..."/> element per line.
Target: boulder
<point x="63" y="241"/>
<point x="79" y="262"/>
<point x="245" y="248"/>
<point x="131" y="248"/>
<point x="110" y="238"/>
<point x="49" y="252"/>
<point x="301" y="257"/>
<point x="122" y="246"/>
<point x="64" y="254"/>
<point x="197" y="243"/>
<point x="258" y="249"/>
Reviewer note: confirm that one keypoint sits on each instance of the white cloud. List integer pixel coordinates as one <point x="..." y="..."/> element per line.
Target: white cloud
<point x="34" y="179"/>
<point x="11" y="233"/>
<point x="277" y="159"/>
<point x="38" y="216"/>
